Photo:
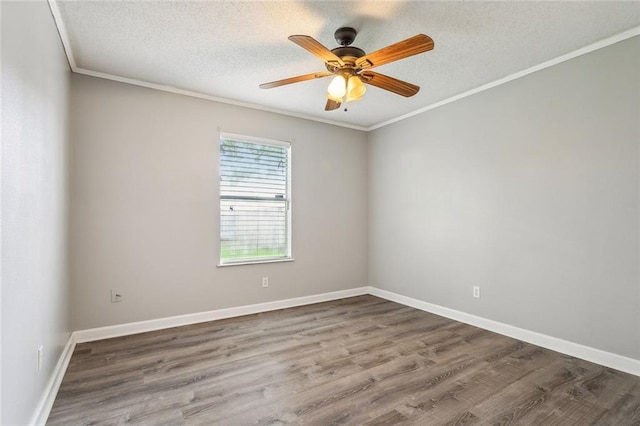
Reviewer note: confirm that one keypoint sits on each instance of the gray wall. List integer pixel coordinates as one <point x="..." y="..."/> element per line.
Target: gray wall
<point x="144" y="215"/>
<point x="35" y="290"/>
<point x="528" y="190"/>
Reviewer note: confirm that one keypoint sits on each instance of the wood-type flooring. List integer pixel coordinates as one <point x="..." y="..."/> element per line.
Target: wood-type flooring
<point x="356" y="361"/>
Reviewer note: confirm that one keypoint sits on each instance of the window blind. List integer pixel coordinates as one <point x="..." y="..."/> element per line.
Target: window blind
<point x="254" y="201"/>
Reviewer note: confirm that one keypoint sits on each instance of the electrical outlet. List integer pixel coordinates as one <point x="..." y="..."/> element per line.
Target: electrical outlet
<point x="40" y="358"/>
<point x="116" y="296"/>
<point x="476" y="292"/>
<point x="265" y="281"/>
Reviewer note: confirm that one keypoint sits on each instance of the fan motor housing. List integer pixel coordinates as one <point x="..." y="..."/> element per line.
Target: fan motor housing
<point x="348" y="54"/>
<point x="345" y="36"/>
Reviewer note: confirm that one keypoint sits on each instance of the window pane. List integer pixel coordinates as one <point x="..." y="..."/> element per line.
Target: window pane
<point x="250" y="169"/>
<point x="252" y="230"/>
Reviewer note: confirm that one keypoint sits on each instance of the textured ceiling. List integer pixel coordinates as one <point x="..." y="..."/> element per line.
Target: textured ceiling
<point x="225" y="49"/>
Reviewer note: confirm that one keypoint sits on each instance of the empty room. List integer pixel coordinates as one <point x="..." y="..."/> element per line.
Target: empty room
<point x="320" y="212"/>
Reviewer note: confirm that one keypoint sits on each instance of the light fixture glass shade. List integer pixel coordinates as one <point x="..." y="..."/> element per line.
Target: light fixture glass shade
<point x="334" y="98"/>
<point x="338" y="87"/>
<point x="355" y="88"/>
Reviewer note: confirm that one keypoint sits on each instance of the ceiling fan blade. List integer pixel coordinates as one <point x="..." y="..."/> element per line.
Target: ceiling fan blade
<point x="412" y="46"/>
<point x="389" y="83"/>
<point x="315" y="47"/>
<point x="331" y="105"/>
<point x="296" y="79"/>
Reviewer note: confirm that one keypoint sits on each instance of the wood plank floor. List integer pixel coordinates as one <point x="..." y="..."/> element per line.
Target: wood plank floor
<point x="355" y="361"/>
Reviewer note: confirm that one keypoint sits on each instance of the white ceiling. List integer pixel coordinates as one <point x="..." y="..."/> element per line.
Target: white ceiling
<point x="224" y="49"/>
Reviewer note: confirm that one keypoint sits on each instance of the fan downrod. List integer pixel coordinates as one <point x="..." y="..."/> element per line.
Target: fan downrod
<point x="345" y="35"/>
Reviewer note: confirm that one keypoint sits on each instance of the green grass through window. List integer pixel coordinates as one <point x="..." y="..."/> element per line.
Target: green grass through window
<point x="229" y="253"/>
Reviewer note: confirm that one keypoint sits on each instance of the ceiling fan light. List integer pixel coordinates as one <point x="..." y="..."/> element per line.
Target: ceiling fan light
<point x="355" y="89"/>
<point x="338" y="87"/>
<point x="334" y="98"/>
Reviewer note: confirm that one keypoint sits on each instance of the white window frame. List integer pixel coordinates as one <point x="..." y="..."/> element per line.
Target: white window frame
<point x="263" y="141"/>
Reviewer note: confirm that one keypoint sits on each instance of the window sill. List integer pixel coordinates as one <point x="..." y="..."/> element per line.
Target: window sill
<point x="256" y="262"/>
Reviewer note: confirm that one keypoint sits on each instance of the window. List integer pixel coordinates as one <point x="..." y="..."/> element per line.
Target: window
<point x="255" y="202"/>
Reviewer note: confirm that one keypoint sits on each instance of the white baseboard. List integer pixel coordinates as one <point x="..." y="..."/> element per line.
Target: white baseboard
<point x="92" y="334"/>
<point x="587" y="353"/>
<point x="48" y="397"/>
<point x="608" y="359"/>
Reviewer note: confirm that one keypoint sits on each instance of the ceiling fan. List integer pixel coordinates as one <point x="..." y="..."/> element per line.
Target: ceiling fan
<point x="351" y="66"/>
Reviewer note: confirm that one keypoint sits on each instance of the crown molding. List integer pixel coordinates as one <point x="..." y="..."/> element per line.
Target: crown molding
<point x="579" y="52"/>
<point x="555" y="61"/>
